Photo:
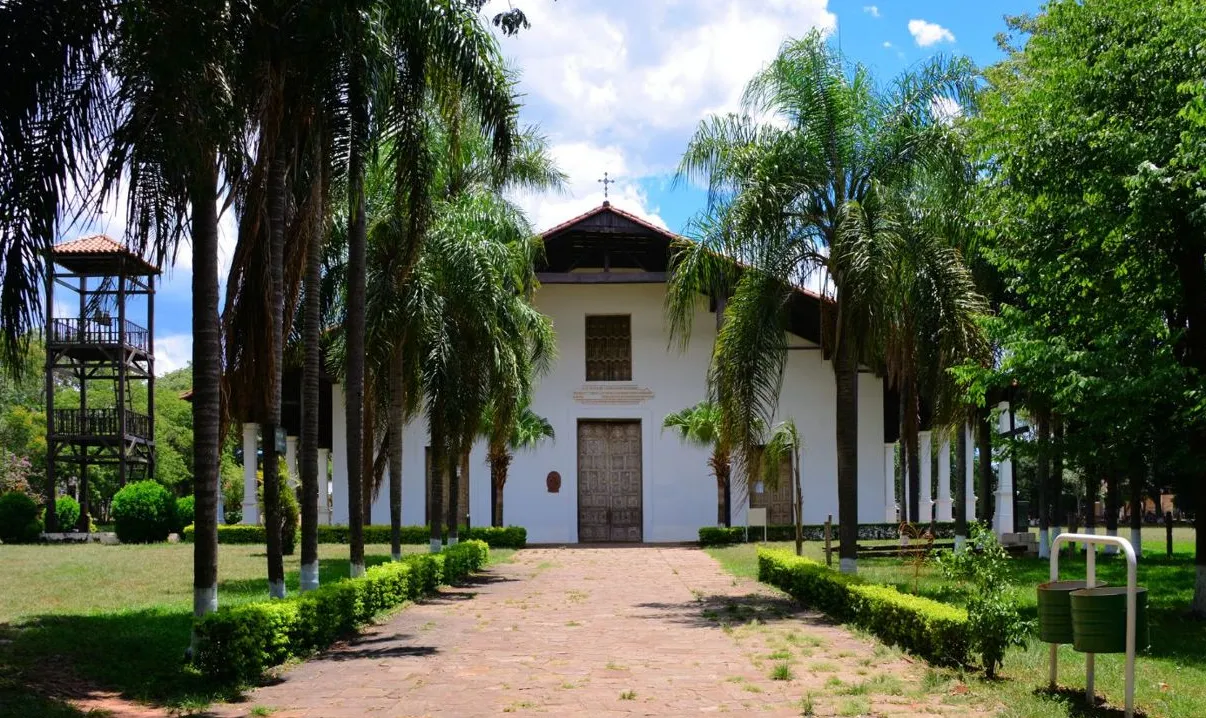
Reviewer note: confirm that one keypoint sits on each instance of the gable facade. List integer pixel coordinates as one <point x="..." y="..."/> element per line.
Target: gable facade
<point x="622" y="478"/>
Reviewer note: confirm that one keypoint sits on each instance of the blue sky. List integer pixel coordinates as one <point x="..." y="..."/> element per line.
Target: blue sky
<point x="619" y="86"/>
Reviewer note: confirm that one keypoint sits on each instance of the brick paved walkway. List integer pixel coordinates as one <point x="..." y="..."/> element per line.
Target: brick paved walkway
<point x="602" y="632"/>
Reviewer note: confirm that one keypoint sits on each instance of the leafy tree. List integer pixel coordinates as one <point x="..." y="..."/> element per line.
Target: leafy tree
<point x="1092" y="133"/>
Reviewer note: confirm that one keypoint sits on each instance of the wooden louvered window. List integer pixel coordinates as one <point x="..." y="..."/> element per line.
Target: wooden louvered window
<point x="609" y="348"/>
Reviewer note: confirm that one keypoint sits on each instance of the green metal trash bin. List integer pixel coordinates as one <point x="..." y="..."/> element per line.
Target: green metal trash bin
<point x="1099" y="619"/>
<point x="1055" y="610"/>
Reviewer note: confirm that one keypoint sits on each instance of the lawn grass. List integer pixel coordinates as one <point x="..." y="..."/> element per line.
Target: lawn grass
<point x="118" y="618"/>
<point x="1170" y="677"/>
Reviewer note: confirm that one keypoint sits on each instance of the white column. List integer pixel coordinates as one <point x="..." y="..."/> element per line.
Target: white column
<point x="925" y="507"/>
<point x="890" y="483"/>
<point x="291" y="457"/>
<point x="251" y="448"/>
<point x="324" y="477"/>
<point x="969" y="468"/>
<point x="944" y="480"/>
<point x="339" y="457"/>
<point x="1003" y="516"/>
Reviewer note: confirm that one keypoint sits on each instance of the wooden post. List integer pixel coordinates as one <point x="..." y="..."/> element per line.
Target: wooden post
<point x="829" y="537"/>
<point x="1168" y="527"/>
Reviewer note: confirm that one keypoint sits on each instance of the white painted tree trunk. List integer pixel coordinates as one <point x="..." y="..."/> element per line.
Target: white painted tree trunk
<point x="309" y="576"/>
<point x="357" y="570"/>
<point x="276" y="589"/>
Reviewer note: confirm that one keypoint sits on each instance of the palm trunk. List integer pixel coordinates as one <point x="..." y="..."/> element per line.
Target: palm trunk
<point x="724" y="477"/>
<point x="357" y="241"/>
<point x="960" y="477"/>
<point x="368" y="455"/>
<point x="912" y="443"/>
<point x="397" y="411"/>
<point x="454" y="491"/>
<point x="984" y="437"/>
<point x="1042" y="478"/>
<point x="799" y="504"/>
<point x="308" y="461"/>
<point x="276" y="272"/>
<point x="436" y="500"/>
<point x="207" y="397"/>
<point x="500" y="462"/>
<point x="846" y="377"/>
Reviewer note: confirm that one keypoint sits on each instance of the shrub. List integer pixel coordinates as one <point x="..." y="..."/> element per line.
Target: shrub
<point x="722" y="536"/>
<point x="497" y="536"/>
<point x="67" y="511"/>
<point x="995" y="623"/>
<point x="143" y="512"/>
<point x="19" y="522"/>
<point x="935" y="631"/>
<point x="184" y="512"/>
<point x="240" y="642"/>
<point x="494" y="537"/>
<point x="232" y="516"/>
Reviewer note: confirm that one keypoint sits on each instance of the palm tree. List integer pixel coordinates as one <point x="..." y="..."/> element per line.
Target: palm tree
<point x="933" y="327"/>
<point x="459" y="155"/>
<point x="700" y="425"/>
<point x="795" y="188"/>
<point x="785" y="445"/>
<point x="478" y="331"/>
<point x="523" y="431"/>
<point x="142" y="93"/>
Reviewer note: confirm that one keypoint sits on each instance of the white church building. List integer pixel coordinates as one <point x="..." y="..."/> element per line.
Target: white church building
<point x="612" y="473"/>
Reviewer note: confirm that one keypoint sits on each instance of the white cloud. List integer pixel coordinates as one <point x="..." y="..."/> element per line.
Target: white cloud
<point x="584" y="164"/>
<point x="929" y="33"/>
<point x="871" y="10"/>
<point x="644" y="74"/>
<point x="172" y="352"/>
<point x="887" y="44"/>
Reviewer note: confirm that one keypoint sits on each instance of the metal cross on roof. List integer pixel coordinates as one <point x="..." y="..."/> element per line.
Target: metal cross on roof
<point x="605" y="181"/>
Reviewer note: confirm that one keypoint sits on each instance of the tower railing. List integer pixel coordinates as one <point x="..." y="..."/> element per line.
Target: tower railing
<point x="98" y="331"/>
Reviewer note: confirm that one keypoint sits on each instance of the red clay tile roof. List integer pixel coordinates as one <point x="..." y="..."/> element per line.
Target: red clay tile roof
<point x="99" y="244"/>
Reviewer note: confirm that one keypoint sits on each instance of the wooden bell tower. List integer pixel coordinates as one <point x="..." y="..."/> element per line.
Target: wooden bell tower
<point x="104" y="355"/>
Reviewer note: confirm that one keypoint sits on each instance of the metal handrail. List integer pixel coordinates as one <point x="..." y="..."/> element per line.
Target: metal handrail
<point x="74" y="330"/>
<point x="1132" y="570"/>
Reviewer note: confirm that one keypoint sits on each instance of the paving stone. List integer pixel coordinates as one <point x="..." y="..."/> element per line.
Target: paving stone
<point x="646" y="630"/>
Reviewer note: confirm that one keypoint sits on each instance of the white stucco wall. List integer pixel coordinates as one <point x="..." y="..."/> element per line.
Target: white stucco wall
<point x="679" y="494"/>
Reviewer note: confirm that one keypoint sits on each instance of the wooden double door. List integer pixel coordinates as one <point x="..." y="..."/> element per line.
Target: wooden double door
<point x="778" y="500"/>
<point x="609" y="481"/>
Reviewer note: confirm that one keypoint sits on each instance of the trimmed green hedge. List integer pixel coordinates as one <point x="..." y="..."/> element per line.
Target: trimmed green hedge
<point x="721" y="536"/>
<point x="495" y="537"/>
<point x="933" y="630"/>
<point x="241" y="642"/>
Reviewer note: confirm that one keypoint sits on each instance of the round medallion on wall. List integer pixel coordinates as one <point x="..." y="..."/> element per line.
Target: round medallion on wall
<point x="554" y="482"/>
